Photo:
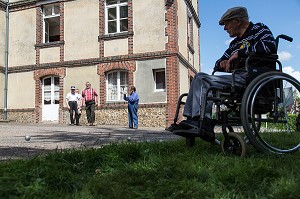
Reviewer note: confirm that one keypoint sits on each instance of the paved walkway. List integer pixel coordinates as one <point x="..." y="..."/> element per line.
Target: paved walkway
<point x="51" y="137"/>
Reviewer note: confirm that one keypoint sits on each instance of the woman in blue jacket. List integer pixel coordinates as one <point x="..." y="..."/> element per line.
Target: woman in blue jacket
<point x="133" y="102"/>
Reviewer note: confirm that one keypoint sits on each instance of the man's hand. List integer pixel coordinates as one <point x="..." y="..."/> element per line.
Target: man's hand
<point x="230" y="60"/>
<point x="223" y="64"/>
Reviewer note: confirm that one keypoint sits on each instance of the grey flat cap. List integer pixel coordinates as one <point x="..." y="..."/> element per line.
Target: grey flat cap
<point x="232" y="13"/>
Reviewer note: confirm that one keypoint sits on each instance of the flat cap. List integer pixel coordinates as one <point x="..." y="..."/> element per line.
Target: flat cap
<point x="232" y="13"/>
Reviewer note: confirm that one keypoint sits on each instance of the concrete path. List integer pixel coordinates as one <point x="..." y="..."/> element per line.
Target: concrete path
<point x="51" y="137"/>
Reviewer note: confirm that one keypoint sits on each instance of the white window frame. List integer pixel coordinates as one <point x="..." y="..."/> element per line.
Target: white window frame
<point x="120" y="91"/>
<point x="46" y="34"/>
<point x="118" y="19"/>
<point x="189" y="24"/>
<point x="155" y="71"/>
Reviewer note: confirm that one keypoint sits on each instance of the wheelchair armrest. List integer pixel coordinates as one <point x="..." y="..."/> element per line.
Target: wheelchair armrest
<point x="258" y="57"/>
<point x="263" y="57"/>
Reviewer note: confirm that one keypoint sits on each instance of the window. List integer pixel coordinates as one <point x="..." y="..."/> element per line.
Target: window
<point x="190" y="29"/>
<point x="117" y="85"/>
<point x="51" y="23"/>
<point x="116" y="19"/>
<point x="159" y="79"/>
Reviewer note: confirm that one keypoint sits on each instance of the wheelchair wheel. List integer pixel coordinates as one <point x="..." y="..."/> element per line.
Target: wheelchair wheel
<point x="272" y="97"/>
<point x="234" y="144"/>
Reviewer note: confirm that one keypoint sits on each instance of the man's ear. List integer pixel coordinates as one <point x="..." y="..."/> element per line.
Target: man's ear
<point x="238" y="21"/>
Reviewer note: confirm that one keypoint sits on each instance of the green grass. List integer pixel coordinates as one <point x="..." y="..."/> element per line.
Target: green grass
<point x="152" y="170"/>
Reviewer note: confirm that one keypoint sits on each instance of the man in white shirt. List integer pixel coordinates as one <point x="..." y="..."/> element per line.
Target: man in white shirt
<point x="71" y="101"/>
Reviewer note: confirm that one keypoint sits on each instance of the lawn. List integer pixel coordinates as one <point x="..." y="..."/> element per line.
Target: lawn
<point x="152" y="170"/>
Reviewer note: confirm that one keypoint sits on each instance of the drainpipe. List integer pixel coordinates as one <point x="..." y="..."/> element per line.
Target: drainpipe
<point x="6" y="63"/>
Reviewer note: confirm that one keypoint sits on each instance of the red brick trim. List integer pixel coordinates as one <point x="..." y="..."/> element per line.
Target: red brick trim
<point x="101" y="27"/>
<point x="38" y="76"/>
<point x="172" y="63"/>
<point x="61" y="31"/>
<point x="130" y="27"/>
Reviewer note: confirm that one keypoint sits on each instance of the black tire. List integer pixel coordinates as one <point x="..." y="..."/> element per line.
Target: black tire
<point x="275" y="130"/>
<point x="234" y="144"/>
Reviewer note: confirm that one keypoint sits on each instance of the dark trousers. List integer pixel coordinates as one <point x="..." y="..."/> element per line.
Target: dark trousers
<point x="90" y="111"/>
<point x="73" y="108"/>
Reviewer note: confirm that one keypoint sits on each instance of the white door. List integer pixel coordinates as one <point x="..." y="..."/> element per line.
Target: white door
<point x="50" y="99"/>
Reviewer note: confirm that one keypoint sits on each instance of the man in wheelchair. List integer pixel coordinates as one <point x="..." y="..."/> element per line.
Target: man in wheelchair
<point x="249" y="38"/>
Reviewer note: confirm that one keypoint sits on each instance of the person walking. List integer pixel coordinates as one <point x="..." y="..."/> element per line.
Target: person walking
<point x="71" y="101"/>
<point x="133" y="101"/>
<point x="90" y="99"/>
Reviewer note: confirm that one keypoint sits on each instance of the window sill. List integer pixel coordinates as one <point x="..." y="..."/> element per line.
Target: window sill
<point x="113" y="36"/>
<point x="160" y="90"/>
<point x="49" y="45"/>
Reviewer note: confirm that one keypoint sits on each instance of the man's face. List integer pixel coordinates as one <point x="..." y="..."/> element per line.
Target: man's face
<point x="232" y="27"/>
<point x="72" y="90"/>
<point x="88" y="85"/>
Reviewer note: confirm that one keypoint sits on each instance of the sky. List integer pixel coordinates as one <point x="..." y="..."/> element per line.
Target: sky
<point x="281" y="16"/>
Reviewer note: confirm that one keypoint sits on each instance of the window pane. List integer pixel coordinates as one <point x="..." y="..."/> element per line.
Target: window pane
<point x="56" y="9"/>
<point x="112" y="86"/>
<point x="56" y="84"/>
<point x="121" y="1"/>
<point x="112" y="13"/>
<point x="56" y="97"/>
<point x="46" y="31"/>
<point x="110" y="2"/>
<point x="123" y="76"/>
<point x="47" y="81"/>
<point x="123" y="11"/>
<point x="112" y="26"/>
<point x="47" y="10"/>
<point x="123" y="82"/>
<point x="47" y="97"/>
<point x="160" y="80"/>
<point x="112" y="78"/>
<point x="124" y="25"/>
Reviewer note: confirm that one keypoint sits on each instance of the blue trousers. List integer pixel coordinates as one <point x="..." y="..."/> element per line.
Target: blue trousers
<point x="132" y="115"/>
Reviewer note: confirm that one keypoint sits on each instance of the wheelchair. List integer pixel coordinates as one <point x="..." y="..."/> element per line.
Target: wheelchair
<point x="264" y="115"/>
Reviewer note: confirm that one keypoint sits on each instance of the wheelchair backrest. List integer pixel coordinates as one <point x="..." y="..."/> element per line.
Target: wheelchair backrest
<point x="258" y="64"/>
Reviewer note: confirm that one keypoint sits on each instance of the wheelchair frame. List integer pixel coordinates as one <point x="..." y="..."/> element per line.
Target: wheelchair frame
<point x="241" y="110"/>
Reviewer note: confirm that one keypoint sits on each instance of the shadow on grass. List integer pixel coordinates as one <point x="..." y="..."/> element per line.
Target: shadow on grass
<point x="45" y="139"/>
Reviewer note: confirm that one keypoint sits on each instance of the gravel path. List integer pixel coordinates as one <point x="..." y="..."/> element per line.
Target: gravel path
<point x="49" y="137"/>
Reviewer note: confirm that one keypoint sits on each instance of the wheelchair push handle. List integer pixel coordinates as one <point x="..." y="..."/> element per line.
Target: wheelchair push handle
<point x="285" y="37"/>
<point x="282" y="36"/>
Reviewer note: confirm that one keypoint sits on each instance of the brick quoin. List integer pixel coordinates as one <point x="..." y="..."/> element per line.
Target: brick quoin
<point x="172" y="68"/>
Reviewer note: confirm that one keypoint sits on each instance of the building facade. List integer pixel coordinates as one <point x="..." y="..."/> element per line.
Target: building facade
<point x="56" y="44"/>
